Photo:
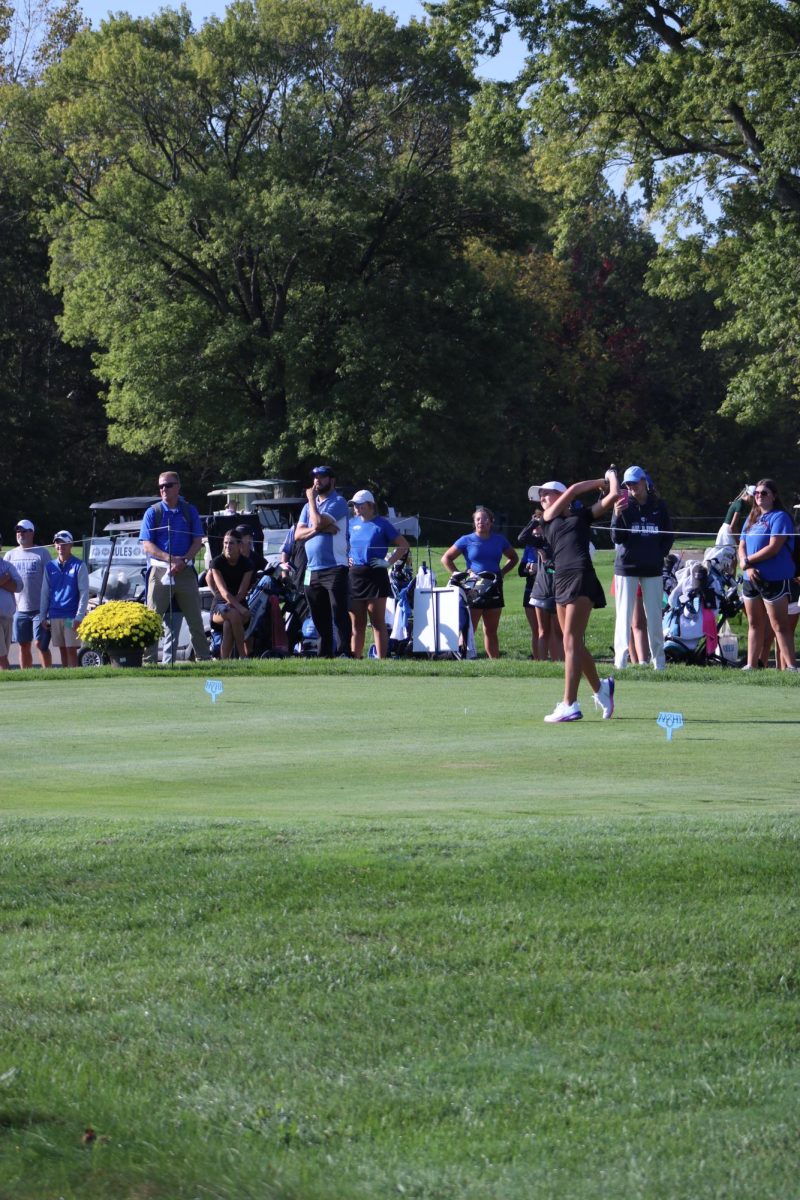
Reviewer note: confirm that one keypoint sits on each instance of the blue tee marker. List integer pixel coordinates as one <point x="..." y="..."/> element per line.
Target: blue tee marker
<point x="214" y="689"/>
<point x="670" y="721"/>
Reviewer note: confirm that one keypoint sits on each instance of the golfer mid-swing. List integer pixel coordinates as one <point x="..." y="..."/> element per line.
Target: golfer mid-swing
<point x="577" y="588"/>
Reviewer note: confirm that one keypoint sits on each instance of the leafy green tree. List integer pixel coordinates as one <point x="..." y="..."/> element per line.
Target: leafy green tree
<point x="54" y="455"/>
<point x="699" y="102"/>
<point x="262" y="229"/>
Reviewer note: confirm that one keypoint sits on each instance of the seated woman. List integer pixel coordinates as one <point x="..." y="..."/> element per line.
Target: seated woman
<point x="249" y="548"/>
<point x="230" y="577"/>
<point x="483" y="551"/>
<point x="370" y="539"/>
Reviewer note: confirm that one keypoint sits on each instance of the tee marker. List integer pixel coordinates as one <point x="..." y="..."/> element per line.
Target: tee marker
<point x="670" y="721"/>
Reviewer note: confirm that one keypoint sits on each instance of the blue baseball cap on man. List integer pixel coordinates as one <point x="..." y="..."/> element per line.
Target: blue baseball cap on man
<point x="322" y="470"/>
<point x="634" y="475"/>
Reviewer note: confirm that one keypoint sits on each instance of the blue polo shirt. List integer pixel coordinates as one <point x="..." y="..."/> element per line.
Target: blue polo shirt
<point x="483" y="554"/>
<point x="169" y="529"/>
<point x="65" y="591"/>
<point x="772" y="524"/>
<point x="327" y="550"/>
<point x="370" y="539"/>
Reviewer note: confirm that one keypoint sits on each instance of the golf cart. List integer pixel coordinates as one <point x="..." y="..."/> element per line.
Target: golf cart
<point x="261" y="503"/>
<point x="116" y="562"/>
<point x="276" y="511"/>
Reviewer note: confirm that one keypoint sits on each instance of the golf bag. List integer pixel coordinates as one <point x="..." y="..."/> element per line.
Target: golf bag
<point x="400" y="608"/>
<point x="478" y="590"/>
<point x="720" y="561"/>
<point x="267" y="631"/>
<point x="693" y="617"/>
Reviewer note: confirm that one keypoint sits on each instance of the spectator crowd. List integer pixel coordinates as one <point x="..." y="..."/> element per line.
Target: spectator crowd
<point x="344" y="559"/>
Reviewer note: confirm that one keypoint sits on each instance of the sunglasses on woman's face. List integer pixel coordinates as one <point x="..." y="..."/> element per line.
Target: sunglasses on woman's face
<point x="764" y="492"/>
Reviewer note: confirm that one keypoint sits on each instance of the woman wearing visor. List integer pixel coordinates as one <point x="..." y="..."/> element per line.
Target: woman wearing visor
<point x="370" y="561"/>
<point x="577" y="588"/>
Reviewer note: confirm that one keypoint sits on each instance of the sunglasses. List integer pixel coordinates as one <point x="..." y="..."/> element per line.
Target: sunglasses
<point x="763" y="492"/>
<point x="161" y="486"/>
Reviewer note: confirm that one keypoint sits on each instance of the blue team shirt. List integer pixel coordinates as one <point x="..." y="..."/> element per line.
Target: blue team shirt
<point x="370" y="539"/>
<point x="483" y="554"/>
<point x="326" y="550"/>
<point x="168" y="528"/>
<point x="772" y="524"/>
<point x="64" y="587"/>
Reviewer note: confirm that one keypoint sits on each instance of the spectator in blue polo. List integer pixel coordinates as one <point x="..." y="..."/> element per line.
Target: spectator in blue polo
<point x="172" y="535"/>
<point x="65" y="597"/>
<point x="322" y="530"/>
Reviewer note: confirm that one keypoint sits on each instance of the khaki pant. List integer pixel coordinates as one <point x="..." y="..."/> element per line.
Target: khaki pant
<point x="187" y="594"/>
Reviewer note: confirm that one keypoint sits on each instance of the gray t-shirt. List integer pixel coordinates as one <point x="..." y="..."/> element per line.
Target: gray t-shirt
<point x="7" y="598"/>
<point x="30" y="565"/>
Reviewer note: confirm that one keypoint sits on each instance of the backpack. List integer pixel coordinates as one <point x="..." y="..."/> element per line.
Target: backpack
<point x="159" y="510"/>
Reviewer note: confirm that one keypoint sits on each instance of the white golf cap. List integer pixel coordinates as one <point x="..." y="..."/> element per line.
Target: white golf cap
<point x="63" y="535"/>
<point x="363" y="497"/>
<point x="534" y="492"/>
<point x="25" y="525"/>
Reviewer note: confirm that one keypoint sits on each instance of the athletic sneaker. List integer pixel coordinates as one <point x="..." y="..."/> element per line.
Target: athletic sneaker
<point x="604" y="699"/>
<point x="564" y="712"/>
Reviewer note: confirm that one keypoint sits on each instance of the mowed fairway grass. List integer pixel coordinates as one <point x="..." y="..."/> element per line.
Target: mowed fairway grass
<point x="385" y="933"/>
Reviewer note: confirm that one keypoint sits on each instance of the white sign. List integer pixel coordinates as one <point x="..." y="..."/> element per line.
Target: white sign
<point x="126" y="550"/>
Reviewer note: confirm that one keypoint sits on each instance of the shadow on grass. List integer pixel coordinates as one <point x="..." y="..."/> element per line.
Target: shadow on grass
<point x="23" y="1118"/>
<point x="720" y="720"/>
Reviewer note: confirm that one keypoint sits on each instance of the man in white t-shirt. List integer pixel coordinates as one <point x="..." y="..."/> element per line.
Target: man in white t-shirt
<point x="29" y="561"/>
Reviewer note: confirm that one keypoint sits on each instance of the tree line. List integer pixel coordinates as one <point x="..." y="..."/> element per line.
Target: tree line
<point x="303" y="232"/>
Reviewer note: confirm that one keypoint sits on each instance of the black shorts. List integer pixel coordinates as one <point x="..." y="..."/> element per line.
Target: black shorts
<point x="571" y="585"/>
<point x="543" y="593"/>
<point x="766" y="590"/>
<point x="369" y="583"/>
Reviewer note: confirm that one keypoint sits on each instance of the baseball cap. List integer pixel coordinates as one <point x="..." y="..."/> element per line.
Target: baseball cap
<point x="751" y="490"/>
<point x="552" y="485"/>
<point x="364" y="496"/>
<point x="321" y="471"/>
<point x="63" y="535"/>
<point x="29" y="525"/>
<point x="634" y="475"/>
